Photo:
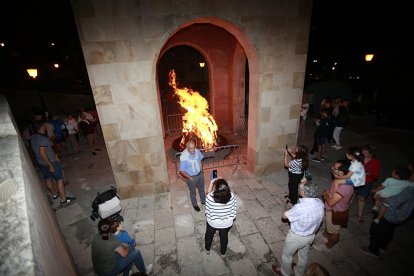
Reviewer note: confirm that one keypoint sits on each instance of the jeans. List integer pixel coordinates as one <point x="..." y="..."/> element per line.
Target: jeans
<point x="197" y="183"/>
<point x="224" y="237"/>
<point x="124" y="264"/>
<point x="293" y="185"/>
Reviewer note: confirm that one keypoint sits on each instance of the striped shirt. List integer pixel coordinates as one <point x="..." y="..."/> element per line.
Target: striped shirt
<point x="220" y="215"/>
<point x="295" y="166"/>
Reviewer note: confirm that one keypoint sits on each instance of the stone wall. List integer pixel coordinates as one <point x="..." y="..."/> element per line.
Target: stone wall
<point x="122" y="41"/>
<point x="31" y="242"/>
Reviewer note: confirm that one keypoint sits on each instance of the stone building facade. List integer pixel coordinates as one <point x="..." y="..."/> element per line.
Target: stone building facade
<point x="123" y="41"/>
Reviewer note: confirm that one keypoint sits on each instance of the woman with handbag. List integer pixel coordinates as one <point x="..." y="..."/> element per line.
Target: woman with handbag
<point x="336" y="207"/>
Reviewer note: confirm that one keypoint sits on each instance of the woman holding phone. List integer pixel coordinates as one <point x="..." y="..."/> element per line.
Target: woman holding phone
<point x="296" y="167"/>
<point x="221" y="205"/>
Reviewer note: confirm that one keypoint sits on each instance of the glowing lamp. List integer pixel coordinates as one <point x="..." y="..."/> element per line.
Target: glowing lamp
<point x="32" y="73"/>
<point x="369" y="57"/>
<point x="202" y="64"/>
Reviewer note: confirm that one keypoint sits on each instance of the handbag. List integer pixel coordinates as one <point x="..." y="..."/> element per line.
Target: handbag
<point x="340" y="218"/>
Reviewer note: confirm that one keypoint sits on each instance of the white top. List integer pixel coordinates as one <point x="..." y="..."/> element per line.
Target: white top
<point x="220" y="215"/>
<point x="306" y="216"/>
<point x="358" y="176"/>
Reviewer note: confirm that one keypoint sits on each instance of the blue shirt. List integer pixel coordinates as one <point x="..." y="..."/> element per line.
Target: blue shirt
<point x="191" y="163"/>
<point x="400" y="206"/>
<point x="124" y="238"/>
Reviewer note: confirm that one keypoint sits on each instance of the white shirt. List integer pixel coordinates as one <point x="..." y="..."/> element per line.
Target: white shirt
<point x="306" y="216"/>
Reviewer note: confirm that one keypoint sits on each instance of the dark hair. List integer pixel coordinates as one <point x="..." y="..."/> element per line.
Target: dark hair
<point x="221" y="193"/>
<point x="344" y="165"/>
<point x="303" y="154"/>
<point x="114" y="224"/>
<point x="37" y="125"/>
<point x="403" y="172"/>
<point x="371" y="149"/>
<point x="356" y="152"/>
<point x="104" y="227"/>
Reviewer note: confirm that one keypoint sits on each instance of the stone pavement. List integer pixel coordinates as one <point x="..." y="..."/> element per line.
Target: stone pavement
<point x="170" y="234"/>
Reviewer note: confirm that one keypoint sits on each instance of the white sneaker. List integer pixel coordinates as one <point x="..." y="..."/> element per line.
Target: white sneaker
<point x="338" y="147"/>
<point x="149" y="269"/>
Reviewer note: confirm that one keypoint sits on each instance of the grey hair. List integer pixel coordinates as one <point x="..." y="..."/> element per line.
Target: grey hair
<point x="309" y="189"/>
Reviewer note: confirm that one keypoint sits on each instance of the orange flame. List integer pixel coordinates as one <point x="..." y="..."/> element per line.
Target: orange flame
<point x="198" y="119"/>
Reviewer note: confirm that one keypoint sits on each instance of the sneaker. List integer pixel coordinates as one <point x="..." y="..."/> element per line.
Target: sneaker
<point x="208" y="252"/>
<point x="148" y="269"/>
<point x="197" y="208"/>
<point x="368" y="252"/>
<point x="316" y="159"/>
<point x="68" y="200"/>
<point x="376" y="220"/>
<point x="55" y="196"/>
<point x="338" y="147"/>
<point x="375" y="209"/>
<point x="322" y="158"/>
<point x="333" y="146"/>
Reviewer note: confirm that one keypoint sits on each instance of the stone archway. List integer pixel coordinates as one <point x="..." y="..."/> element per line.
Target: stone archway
<point x="225" y="48"/>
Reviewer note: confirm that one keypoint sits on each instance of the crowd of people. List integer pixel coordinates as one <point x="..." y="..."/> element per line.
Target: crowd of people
<point x="352" y="177"/>
<point x="46" y="136"/>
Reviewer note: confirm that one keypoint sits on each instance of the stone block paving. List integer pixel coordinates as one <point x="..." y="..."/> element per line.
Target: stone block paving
<point x="170" y="234"/>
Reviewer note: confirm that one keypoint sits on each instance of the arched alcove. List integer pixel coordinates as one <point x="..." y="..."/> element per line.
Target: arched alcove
<point x="226" y="50"/>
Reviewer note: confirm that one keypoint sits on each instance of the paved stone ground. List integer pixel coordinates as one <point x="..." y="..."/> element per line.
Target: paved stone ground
<point x="170" y="234"/>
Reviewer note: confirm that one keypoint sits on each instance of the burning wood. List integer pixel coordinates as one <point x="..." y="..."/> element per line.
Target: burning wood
<point x="198" y="125"/>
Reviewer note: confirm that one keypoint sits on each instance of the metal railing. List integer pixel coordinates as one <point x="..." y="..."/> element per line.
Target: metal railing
<point x="241" y="127"/>
<point x="174" y="123"/>
<point x="215" y="157"/>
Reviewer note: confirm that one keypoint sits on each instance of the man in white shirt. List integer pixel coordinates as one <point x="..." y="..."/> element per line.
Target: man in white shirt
<point x="305" y="219"/>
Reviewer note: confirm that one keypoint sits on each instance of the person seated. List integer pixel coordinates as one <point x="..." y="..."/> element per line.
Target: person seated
<point x="110" y="257"/>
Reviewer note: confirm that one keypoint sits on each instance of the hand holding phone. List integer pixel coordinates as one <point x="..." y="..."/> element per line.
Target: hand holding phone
<point x="213" y="174"/>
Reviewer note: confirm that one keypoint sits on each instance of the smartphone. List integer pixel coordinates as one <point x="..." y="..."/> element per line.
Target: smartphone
<point x="213" y="174"/>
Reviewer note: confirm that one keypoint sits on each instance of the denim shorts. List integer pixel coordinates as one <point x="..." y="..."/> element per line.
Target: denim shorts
<point x="349" y="182"/>
<point x="56" y="175"/>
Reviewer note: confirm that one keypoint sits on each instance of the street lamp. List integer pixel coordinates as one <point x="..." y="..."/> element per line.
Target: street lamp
<point x="32" y="72"/>
<point x="369" y="57"/>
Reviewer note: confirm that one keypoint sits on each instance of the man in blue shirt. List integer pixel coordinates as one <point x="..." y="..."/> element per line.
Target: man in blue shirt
<point x="191" y="171"/>
<point x="48" y="164"/>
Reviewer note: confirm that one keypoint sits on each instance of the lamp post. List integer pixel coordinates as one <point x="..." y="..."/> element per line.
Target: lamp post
<point x="33" y="75"/>
<point x="202" y="64"/>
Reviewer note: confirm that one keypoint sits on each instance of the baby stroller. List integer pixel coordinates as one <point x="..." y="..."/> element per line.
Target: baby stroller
<point x="107" y="205"/>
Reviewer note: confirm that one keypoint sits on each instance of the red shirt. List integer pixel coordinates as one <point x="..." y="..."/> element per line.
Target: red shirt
<point x="372" y="170"/>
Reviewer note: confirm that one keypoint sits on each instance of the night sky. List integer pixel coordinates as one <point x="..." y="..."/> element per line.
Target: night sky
<point x="341" y="31"/>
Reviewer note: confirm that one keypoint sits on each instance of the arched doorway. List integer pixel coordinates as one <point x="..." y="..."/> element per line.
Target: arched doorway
<point x="227" y="51"/>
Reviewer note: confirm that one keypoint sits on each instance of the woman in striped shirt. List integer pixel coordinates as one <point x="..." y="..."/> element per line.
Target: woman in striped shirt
<point x="296" y="168"/>
<point x="221" y="207"/>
